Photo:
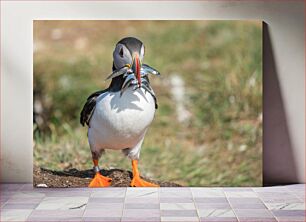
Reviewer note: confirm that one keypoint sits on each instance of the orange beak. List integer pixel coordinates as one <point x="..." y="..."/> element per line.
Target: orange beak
<point x="136" y="68"/>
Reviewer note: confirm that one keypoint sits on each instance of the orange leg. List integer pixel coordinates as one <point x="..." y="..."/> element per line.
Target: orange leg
<point x="137" y="181"/>
<point x="99" y="180"/>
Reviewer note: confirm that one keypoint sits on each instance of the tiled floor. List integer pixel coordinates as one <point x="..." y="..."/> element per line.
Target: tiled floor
<point x="20" y="202"/>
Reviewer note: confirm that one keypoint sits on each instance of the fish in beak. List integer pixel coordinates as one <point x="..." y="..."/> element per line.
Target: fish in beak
<point x="136" y="66"/>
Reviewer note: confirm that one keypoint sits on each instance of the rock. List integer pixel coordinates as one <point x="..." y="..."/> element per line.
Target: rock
<point x="81" y="178"/>
<point x="41" y="185"/>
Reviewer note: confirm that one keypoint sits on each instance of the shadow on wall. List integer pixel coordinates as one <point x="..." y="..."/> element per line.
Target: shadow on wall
<point x="278" y="161"/>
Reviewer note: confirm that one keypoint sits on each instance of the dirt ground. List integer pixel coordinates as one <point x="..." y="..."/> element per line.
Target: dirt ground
<point x="77" y="178"/>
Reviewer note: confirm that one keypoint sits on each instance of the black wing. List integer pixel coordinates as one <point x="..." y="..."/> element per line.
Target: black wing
<point x="147" y="84"/>
<point x="156" y="105"/>
<point x="89" y="107"/>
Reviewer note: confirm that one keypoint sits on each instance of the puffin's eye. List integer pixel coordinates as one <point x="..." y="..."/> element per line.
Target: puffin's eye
<point x="121" y="52"/>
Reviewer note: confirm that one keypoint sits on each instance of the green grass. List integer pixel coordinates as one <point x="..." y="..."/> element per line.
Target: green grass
<point x="221" y="64"/>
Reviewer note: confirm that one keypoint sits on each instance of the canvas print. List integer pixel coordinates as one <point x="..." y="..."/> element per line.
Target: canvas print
<point x="137" y="103"/>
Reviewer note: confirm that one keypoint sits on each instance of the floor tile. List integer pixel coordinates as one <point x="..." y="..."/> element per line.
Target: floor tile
<point x="115" y="192"/>
<point x="2" y="204"/>
<point x="15" y="214"/>
<point x="66" y="189"/>
<point x="240" y="194"/>
<point x="62" y="203"/>
<point x="20" y="206"/>
<point x="3" y="200"/>
<point x="244" y="200"/>
<point x="291" y="219"/>
<point x="103" y="213"/>
<point x="142" y="213"/>
<point x="207" y="192"/>
<point x="10" y="187"/>
<point x="82" y="189"/>
<point x="140" y="219"/>
<point x="285" y="206"/>
<point x="101" y="219"/>
<point x="178" y="219"/>
<point x="54" y="219"/>
<point x="298" y="192"/>
<point x="6" y="194"/>
<point x="178" y="213"/>
<point x="280" y="200"/>
<point x="210" y="200"/>
<point x="176" y="200"/>
<point x="104" y="205"/>
<point x="57" y="213"/>
<point x="238" y="189"/>
<point x="23" y="202"/>
<point x="289" y="213"/>
<point x="29" y="200"/>
<point x="236" y="205"/>
<point x="142" y="192"/>
<point x="253" y="219"/>
<point x="177" y="206"/>
<point x="216" y="213"/>
<point x="27" y="187"/>
<point x="279" y="189"/>
<point x="176" y="193"/>
<point x="301" y="187"/>
<point x="141" y="206"/>
<point x="106" y="200"/>
<point x="27" y="194"/>
<point x="300" y="195"/>
<point x="224" y="205"/>
<point x="68" y="193"/>
<point x="176" y="189"/>
<point x="253" y="213"/>
<point x="274" y="197"/>
<point x="141" y="200"/>
<point x="274" y="194"/>
<point x="218" y="219"/>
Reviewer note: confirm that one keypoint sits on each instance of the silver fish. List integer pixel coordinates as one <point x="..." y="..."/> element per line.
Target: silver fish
<point x="147" y="89"/>
<point x="149" y="70"/>
<point x="130" y="80"/>
<point x="143" y="80"/>
<point x="119" y="72"/>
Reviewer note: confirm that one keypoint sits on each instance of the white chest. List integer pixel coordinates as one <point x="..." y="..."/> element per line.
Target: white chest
<point x="120" y="122"/>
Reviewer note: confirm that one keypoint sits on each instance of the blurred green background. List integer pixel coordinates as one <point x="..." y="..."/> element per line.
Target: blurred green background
<point x="213" y="138"/>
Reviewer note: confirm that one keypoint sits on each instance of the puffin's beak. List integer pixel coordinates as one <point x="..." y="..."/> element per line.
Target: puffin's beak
<point x="136" y="68"/>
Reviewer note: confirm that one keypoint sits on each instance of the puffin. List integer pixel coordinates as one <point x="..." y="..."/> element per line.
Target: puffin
<point x="118" y="117"/>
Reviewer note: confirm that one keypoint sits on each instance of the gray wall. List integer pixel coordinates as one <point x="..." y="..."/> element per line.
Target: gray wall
<point x="284" y="81"/>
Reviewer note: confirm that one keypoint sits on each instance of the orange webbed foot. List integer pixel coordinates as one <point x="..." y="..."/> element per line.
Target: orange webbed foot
<point x="138" y="182"/>
<point x="100" y="181"/>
